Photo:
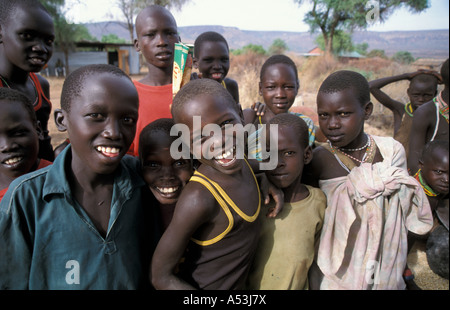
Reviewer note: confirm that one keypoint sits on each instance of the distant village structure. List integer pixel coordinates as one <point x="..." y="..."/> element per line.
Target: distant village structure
<point x="122" y="55"/>
<point x="125" y="56"/>
<point x="343" y="56"/>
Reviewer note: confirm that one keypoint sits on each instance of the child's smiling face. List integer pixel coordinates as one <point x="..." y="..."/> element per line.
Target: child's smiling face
<point x="19" y="142"/>
<point x="213" y="60"/>
<point x="27" y="38"/>
<point x="164" y="175"/>
<point x="101" y="122"/>
<point x="213" y="110"/>
<point x="342" y="116"/>
<point x="279" y="87"/>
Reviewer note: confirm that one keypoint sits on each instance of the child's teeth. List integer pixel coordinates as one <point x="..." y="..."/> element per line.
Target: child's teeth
<point x="12" y="161"/>
<point x="167" y="190"/>
<point x="225" y="155"/>
<point x="111" y="150"/>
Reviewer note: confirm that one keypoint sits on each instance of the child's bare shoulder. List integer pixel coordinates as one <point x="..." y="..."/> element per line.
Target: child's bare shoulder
<point x="230" y="82"/>
<point x="43" y="81"/>
<point x="249" y="116"/>
<point x="313" y="171"/>
<point x="426" y="109"/>
<point x="320" y="153"/>
<point x="197" y="199"/>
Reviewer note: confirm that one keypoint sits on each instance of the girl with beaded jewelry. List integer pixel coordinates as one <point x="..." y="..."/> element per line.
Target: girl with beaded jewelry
<point x="26" y="45"/>
<point x="372" y="202"/>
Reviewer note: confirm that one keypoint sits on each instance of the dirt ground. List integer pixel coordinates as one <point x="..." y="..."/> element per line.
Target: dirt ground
<point x="417" y="261"/>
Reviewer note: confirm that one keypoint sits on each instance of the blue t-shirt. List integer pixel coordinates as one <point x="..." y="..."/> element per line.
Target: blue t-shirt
<point x="47" y="240"/>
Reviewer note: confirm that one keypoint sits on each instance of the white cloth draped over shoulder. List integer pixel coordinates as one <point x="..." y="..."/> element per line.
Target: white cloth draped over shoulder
<point x="363" y="243"/>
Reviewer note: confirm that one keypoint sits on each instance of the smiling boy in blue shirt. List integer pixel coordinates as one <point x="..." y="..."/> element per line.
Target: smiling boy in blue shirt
<point x="80" y="224"/>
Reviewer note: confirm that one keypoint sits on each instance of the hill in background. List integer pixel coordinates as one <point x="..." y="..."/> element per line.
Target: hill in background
<point x="421" y="44"/>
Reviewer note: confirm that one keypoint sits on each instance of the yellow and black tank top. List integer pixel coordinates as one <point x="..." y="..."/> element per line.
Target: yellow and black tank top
<point x="223" y="262"/>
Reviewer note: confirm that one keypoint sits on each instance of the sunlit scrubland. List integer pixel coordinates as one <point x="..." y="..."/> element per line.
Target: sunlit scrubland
<point x="245" y="69"/>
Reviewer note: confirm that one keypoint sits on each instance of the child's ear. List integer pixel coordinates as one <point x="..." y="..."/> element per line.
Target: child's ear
<point x="39" y="130"/>
<point x="420" y="164"/>
<point x="60" y="119"/>
<point x="260" y="88"/>
<point x="241" y="113"/>
<point x="408" y="92"/>
<point x="368" y="109"/>
<point x="136" y="45"/>
<point x="195" y="62"/>
<point x="307" y="155"/>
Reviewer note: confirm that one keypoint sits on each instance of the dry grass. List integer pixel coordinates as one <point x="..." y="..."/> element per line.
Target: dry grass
<point x="312" y="71"/>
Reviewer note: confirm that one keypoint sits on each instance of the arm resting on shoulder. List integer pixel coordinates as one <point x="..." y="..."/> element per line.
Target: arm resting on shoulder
<point x="193" y="208"/>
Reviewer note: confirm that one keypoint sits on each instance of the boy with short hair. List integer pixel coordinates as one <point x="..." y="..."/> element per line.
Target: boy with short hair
<point x="26" y="45"/>
<point x="80" y="223"/>
<point x="216" y="218"/>
<point x="212" y="59"/>
<point x="433" y="173"/>
<point x="165" y="176"/>
<point x="430" y="122"/>
<point x="286" y="244"/>
<point x="157" y="33"/>
<point x="422" y="88"/>
<point x="19" y="138"/>
<point x="372" y="202"/>
<point x="433" y="177"/>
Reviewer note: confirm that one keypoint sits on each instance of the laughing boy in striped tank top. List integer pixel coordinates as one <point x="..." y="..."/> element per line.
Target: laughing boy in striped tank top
<point x="215" y="224"/>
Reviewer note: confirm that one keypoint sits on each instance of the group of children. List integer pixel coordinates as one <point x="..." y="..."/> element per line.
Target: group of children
<point x="97" y="218"/>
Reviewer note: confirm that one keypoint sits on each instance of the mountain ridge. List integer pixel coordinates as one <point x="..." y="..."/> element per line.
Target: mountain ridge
<point x="418" y="42"/>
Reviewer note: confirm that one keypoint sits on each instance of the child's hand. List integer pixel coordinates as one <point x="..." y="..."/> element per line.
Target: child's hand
<point x="426" y="71"/>
<point x="195" y="76"/>
<point x="259" y="108"/>
<point x="267" y="190"/>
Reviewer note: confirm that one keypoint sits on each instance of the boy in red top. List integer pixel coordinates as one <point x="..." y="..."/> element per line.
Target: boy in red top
<point x="26" y="45"/>
<point x="157" y="34"/>
<point x="19" y="138"/>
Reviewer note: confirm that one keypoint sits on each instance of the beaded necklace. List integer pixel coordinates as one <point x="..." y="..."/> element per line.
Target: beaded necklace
<point x="426" y="188"/>
<point x="443" y="107"/>
<point x="409" y="109"/>
<point x="359" y="148"/>
<point x="367" y="155"/>
<point x="34" y="87"/>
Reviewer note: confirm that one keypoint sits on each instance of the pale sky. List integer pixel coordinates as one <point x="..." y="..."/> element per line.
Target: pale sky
<point x="279" y="15"/>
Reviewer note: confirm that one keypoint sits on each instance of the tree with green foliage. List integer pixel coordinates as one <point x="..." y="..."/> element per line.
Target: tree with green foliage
<point x="131" y="8"/>
<point x="250" y="48"/>
<point x="362" y="48"/>
<point x="332" y="15"/>
<point x="278" y="47"/>
<point x="377" y="53"/>
<point x="403" y="57"/>
<point x="342" y="42"/>
<point x="111" y="38"/>
<point x="53" y="6"/>
<point x="66" y="34"/>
